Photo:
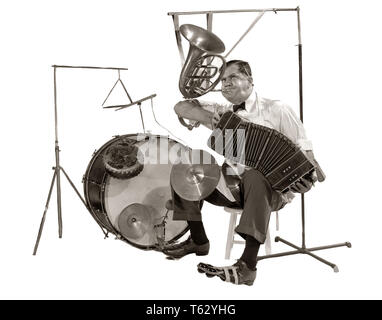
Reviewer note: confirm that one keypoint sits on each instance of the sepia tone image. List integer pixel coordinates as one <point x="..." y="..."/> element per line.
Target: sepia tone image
<point x="190" y="150"/>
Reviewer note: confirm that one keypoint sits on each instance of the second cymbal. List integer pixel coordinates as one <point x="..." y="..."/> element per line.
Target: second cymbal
<point x="136" y="221"/>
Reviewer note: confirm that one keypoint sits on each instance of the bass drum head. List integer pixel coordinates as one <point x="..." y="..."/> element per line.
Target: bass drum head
<point x="134" y="208"/>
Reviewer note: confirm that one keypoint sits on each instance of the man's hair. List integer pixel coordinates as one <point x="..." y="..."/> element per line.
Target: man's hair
<point x="243" y="67"/>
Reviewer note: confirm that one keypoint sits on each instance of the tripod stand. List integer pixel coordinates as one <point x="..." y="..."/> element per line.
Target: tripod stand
<point x="303" y="249"/>
<point x="56" y="179"/>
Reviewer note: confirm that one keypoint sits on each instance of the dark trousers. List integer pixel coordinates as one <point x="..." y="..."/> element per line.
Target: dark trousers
<point x="257" y="199"/>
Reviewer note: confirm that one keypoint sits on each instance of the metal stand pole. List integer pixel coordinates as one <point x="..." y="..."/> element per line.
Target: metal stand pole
<point x="56" y="175"/>
<point x="57" y="153"/>
<point x="303" y="248"/>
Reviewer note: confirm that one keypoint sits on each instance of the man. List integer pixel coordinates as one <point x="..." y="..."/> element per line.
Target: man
<point x="257" y="198"/>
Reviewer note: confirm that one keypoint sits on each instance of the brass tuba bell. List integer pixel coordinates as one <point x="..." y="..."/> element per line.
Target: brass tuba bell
<point x="198" y="75"/>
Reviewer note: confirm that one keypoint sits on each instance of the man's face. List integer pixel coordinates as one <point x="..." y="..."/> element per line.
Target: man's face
<point x="236" y="86"/>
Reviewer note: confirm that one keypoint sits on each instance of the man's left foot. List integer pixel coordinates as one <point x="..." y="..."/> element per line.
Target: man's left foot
<point x="239" y="273"/>
<point x="182" y="249"/>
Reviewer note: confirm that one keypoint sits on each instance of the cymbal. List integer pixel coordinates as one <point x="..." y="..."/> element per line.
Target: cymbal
<point x="196" y="179"/>
<point x="135" y="221"/>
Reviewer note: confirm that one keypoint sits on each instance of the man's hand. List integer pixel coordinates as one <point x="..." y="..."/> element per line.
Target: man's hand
<point x="301" y="186"/>
<point x="215" y="119"/>
<point x="192" y="110"/>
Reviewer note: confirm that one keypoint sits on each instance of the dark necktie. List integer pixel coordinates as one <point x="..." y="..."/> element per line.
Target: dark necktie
<point x="238" y="107"/>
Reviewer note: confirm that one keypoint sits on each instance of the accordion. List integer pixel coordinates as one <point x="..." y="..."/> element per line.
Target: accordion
<point x="270" y="152"/>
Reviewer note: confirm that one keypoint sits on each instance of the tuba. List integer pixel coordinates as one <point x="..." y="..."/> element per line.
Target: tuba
<point x="199" y="75"/>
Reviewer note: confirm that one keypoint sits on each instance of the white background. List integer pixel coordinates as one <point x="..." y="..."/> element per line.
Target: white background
<point x="341" y="59"/>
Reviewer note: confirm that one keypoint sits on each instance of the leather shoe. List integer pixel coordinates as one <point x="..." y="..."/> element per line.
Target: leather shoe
<point x="186" y="247"/>
<point x="239" y="273"/>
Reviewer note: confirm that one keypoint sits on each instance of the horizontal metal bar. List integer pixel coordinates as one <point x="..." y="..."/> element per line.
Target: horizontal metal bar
<point x="306" y="251"/>
<point x="321" y="259"/>
<point x="288" y="243"/>
<point x="345" y="244"/>
<point x="88" y="67"/>
<point x="231" y="11"/>
<point x="122" y="106"/>
<point x="277" y="255"/>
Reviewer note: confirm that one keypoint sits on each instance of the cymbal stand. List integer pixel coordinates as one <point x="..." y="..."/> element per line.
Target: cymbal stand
<point x="56" y="179"/>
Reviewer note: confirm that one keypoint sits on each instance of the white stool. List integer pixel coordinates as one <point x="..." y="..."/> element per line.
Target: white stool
<point x="231" y="233"/>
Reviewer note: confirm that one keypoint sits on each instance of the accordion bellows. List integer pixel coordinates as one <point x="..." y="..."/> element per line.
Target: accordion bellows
<point x="270" y="152"/>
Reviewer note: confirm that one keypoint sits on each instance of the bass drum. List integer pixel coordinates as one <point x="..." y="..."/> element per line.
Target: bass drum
<point x="134" y="208"/>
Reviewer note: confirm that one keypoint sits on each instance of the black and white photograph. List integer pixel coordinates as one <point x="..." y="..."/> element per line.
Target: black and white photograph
<point x="190" y="151"/>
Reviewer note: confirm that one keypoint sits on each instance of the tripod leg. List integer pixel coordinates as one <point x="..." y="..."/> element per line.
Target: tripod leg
<point x="44" y="215"/>
<point x="74" y="187"/>
<point x="335" y="268"/>
<point x="79" y="195"/>
<point x="58" y="168"/>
